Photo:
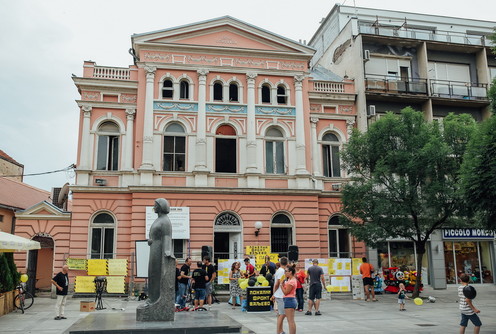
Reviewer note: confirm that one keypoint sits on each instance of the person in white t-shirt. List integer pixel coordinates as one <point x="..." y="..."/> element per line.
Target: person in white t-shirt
<point x="279" y="294"/>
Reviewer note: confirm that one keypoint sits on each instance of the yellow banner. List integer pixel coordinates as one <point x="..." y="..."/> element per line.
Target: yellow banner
<point x="260" y="260"/>
<point x="355" y="265"/>
<point x="76" y="264"/>
<point x="84" y="284"/>
<point x="97" y="267"/>
<point x="117" y="267"/>
<point x="115" y="284"/>
<point x="256" y="250"/>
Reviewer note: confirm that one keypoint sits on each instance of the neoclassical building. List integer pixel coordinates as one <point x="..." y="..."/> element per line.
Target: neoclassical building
<point x="226" y="121"/>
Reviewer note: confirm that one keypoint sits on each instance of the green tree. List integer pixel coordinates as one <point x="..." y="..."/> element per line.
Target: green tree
<point x="404" y="178"/>
<point x="6" y="278"/>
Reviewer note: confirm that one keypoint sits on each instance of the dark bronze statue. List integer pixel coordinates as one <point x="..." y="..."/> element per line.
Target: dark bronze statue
<point x="161" y="269"/>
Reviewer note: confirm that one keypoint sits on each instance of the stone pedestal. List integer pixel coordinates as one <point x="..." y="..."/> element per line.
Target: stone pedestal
<point x="163" y="308"/>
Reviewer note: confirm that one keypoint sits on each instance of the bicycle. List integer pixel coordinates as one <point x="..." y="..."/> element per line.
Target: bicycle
<point x="24" y="299"/>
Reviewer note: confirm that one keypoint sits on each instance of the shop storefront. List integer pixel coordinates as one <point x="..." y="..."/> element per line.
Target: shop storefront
<point x="469" y="251"/>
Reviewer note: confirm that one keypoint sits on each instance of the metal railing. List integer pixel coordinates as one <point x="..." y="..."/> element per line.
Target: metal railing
<point x="438" y="35"/>
<point x="115" y="73"/>
<point x="458" y="90"/>
<point x="328" y="87"/>
<point x="392" y="84"/>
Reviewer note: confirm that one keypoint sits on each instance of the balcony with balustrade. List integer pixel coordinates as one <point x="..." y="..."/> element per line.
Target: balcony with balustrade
<point x="91" y="70"/>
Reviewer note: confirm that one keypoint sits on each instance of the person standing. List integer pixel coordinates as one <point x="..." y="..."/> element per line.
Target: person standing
<point x="467" y="308"/>
<point x="366" y="269"/>
<point x="234" y="288"/>
<point x="279" y="294"/>
<point x="268" y="267"/>
<point x="315" y="275"/>
<point x="402" y="296"/>
<point x="210" y="269"/>
<point x="199" y="279"/>
<point x="300" y="280"/>
<point x="289" y="289"/>
<point x="183" y="285"/>
<point x="61" y="282"/>
<point x="250" y="269"/>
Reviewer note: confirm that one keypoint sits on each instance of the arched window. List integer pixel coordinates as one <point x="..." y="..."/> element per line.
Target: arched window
<point x="282" y="97"/>
<point x="233" y="92"/>
<point x="225" y="149"/>
<point x="174" y="148"/>
<point x="274" y="151"/>
<point x="218" y="90"/>
<point x="102" y="236"/>
<point x="108" y="146"/>
<point x="265" y="93"/>
<point x="330" y="155"/>
<point x="281" y="234"/>
<point x="167" y="89"/>
<point x="339" y="239"/>
<point x="184" y="90"/>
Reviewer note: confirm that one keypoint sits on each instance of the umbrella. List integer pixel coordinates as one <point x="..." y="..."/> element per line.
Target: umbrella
<point x="11" y="243"/>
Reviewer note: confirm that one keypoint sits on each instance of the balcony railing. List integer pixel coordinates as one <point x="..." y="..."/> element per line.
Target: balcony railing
<point x="458" y="90"/>
<point x="111" y="73"/>
<point x="395" y="85"/>
<point x="438" y="35"/>
<point x="328" y="87"/>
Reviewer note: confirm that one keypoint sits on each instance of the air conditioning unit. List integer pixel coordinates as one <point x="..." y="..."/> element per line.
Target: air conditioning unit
<point x="366" y="55"/>
<point x="371" y="110"/>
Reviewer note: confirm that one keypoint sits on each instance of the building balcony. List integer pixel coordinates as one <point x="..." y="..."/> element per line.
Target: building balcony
<point x="458" y="90"/>
<point x="91" y="70"/>
<point x="424" y="34"/>
<point x="395" y="85"/>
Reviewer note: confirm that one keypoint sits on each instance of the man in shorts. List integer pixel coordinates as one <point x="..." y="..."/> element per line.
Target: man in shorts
<point x="366" y="269"/>
<point x="278" y="294"/>
<point x="210" y="269"/>
<point x="200" y="279"/>
<point x="315" y="275"/>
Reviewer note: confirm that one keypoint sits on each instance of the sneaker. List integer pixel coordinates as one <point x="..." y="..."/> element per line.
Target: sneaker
<point x="308" y="313"/>
<point x="62" y="317"/>
<point x="56" y="318"/>
<point x="300" y="310"/>
<point x="318" y="313"/>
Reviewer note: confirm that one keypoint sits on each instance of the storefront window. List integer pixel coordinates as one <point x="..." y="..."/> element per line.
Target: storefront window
<point x="402" y="255"/>
<point x="469" y="257"/>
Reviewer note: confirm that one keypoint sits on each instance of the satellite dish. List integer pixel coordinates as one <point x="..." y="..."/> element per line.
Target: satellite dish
<point x="63" y="196"/>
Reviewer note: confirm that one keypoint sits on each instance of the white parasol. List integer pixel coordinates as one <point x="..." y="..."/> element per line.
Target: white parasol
<point x="11" y="243"/>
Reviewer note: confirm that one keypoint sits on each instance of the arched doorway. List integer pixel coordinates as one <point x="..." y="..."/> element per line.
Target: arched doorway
<point x="227" y="237"/>
<point x="40" y="265"/>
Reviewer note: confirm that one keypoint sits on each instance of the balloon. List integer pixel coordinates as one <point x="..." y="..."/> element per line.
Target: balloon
<point x="265" y="283"/>
<point x="243" y="285"/>
<point x="329" y="288"/>
<point x="418" y="301"/>
<point x="469" y="292"/>
<point x="252" y="282"/>
<point x="260" y="279"/>
<point x="268" y="277"/>
<point x="24" y="278"/>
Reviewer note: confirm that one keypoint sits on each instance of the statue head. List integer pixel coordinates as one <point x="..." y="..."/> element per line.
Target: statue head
<point x="162" y="205"/>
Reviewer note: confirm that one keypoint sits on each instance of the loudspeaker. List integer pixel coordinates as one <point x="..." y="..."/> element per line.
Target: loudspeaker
<point x="293" y="253"/>
<point x="207" y="251"/>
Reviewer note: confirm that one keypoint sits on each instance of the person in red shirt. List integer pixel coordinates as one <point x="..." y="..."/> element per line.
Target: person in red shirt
<point x="250" y="269"/>
<point x="366" y="269"/>
<point x="300" y="280"/>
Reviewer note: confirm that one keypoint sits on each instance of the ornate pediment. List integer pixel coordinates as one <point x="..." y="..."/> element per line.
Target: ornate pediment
<point x="43" y="210"/>
<point x="223" y="32"/>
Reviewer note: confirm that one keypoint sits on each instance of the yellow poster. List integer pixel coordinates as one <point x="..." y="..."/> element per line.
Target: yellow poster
<point x="340" y="284"/>
<point x="117" y="267"/>
<point x="337" y="266"/>
<point x="97" y="267"/>
<point x="356" y="263"/>
<point x="256" y="250"/>
<point x="84" y="284"/>
<point x="260" y="260"/>
<point x="115" y="284"/>
<point x="76" y="264"/>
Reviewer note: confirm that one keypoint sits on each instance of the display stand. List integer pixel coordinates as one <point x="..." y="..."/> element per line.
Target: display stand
<point x="258" y="298"/>
<point x="101" y="285"/>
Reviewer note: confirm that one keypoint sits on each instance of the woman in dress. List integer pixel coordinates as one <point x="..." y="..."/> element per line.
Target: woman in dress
<point x="289" y="289"/>
<point x="235" y="290"/>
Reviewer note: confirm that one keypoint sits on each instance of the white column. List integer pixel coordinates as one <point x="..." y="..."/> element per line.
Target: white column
<point x="300" y="126"/>
<point x="251" y="141"/>
<point x="201" y="137"/>
<point x="85" y="158"/>
<point x="316" y="165"/>
<point x="128" y="149"/>
<point x="147" y="162"/>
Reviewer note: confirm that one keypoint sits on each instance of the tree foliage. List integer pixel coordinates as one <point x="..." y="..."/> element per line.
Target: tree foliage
<point x="405" y="178"/>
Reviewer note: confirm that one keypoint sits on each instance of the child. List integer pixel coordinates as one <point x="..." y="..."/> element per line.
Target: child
<point x="467" y="308"/>
<point x="402" y="296"/>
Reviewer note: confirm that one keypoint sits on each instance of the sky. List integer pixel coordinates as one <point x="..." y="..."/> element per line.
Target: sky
<point x="42" y="43"/>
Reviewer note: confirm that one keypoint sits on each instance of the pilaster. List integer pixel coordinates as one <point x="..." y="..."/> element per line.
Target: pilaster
<point x="128" y="149"/>
<point x="251" y="143"/>
<point x="300" y="127"/>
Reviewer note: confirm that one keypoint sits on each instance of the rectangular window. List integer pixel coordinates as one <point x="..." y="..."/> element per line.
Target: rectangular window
<point x="274" y="156"/>
<point x="178" y="248"/>
<point x="102" y="243"/>
<point x="174" y="153"/>
<point x="332" y="164"/>
<point x="1" y="218"/>
<point x="108" y="153"/>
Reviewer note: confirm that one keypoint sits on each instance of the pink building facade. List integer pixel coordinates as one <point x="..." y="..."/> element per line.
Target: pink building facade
<point x="222" y="118"/>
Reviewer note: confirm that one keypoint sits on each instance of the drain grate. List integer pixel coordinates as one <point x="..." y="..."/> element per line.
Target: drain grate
<point x="425" y="325"/>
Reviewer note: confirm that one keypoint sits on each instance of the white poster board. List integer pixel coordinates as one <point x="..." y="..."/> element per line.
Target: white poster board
<point x="339" y="267"/>
<point x="142" y="258"/>
<point x="340" y="283"/>
<point x="224" y="267"/>
<point x="179" y="217"/>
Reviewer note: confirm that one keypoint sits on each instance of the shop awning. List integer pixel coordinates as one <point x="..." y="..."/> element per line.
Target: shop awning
<point x="13" y="243"/>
